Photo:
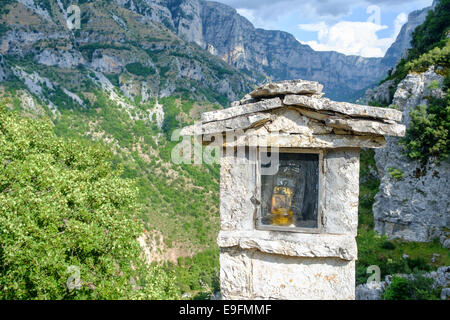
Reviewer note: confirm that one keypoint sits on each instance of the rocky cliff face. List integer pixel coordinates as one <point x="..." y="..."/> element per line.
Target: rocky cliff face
<point x="414" y="203"/>
<point x="219" y="29"/>
<point x="222" y="31"/>
<point x="133" y="43"/>
<point x="402" y="43"/>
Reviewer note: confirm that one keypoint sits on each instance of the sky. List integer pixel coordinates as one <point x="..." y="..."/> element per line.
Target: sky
<point x="354" y="27"/>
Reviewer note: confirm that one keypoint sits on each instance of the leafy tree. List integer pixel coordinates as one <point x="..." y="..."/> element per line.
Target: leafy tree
<point x="418" y="288"/>
<point x="64" y="212"/>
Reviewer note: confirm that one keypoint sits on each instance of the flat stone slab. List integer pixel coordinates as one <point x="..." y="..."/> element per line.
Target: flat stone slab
<point x="287" y="87"/>
<point x="292" y="244"/>
<point x="256" y="275"/>
<point x="325" y="141"/>
<point x="238" y="123"/>
<point x="367" y="126"/>
<point x="232" y="112"/>
<point x="298" y="109"/>
<point x="350" y="109"/>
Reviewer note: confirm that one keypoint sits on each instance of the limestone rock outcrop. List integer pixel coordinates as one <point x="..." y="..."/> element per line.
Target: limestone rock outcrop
<point x="416" y="206"/>
<point x="219" y="29"/>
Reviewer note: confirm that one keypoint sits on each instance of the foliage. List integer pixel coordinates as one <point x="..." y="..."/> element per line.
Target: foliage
<point x="3" y="29"/>
<point x="114" y="78"/>
<point x="199" y="274"/>
<point x="46" y="5"/>
<point x="429" y="40"/>
<point x="62" y="207"/>
<point x="368" y="188"/>
<point x="388" y="245"/>
<point x="418" y="288"/>
<point x="395" y="173"/>
<point x="435" y="28"/>
<point x="170" y="116"/>
<point x="428" y="132"/>
<point x="436" y="56"/>
<point x="388" y="255"/>
<point x="90" y="48"/>
<point x="138" y="69"/>
<point x="434" y="85"/>
<point x="180" y="201"/>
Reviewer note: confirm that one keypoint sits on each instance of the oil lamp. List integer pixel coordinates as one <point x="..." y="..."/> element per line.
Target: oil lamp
<point x="288" y="184"/>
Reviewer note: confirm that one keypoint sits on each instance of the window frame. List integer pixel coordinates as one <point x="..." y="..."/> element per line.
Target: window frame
<point x="258" y="217"/>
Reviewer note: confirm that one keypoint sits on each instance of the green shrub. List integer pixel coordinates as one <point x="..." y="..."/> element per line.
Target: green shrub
<point x="89" y="49"/>
<point x="4" y="28"/>
<point x="420" y="288"/>
<point x="395" y="173"/>
<point x="428" y="132"/>
<point x="434" y="85"/>
<point x="429" y="44"/>
<point x="434" y="29"/>
<point x="63" y="208"/>
<point x="198" y="274"/>
<point x="114" y="78"/>
<point x="388" y="245"/>
<point x="138" y="69"/>
<point x="436" y="56"/>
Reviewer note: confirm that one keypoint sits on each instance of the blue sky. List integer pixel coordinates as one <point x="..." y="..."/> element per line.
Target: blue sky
<point x="361" y="27"/>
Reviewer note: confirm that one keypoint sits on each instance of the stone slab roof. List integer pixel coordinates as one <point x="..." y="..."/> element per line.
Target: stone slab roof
<point x="339" y="118"/>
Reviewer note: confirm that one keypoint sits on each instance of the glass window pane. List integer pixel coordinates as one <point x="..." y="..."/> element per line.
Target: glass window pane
<point x="289" y="198"/>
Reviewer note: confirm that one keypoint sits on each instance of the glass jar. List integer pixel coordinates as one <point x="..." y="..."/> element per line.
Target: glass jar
<point x="283" y="194"/>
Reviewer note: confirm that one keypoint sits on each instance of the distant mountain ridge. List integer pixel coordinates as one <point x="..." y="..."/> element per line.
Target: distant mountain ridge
<point x="219" y="29"/>
<point x="403" y="41"/>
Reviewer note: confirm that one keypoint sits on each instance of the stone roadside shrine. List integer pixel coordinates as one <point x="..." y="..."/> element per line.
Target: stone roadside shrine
<point x="289" y="186"/>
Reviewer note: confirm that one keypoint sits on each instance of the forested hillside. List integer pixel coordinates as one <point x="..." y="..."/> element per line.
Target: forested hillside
<point x="64" y="212"/>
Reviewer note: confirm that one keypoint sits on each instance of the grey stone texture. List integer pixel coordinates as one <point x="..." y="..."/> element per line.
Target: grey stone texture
<point x="296" y="107"/>
<point x="416" y="206"/>
<point x="274" y="263"/>
<point x="287" y="87"/>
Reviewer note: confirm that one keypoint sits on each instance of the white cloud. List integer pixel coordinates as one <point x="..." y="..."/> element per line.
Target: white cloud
<point x="256" y="20"/>
<point x="353" y="38"/>
<point x="274" y="9"/>
<point x="401" y="19"/>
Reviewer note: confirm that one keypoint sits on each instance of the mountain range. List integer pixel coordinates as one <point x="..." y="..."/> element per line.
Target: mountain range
<point x="219" y="29"/>
<point x="201" y="30"/>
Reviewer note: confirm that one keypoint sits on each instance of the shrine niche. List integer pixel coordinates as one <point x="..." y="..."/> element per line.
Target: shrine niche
<point x="289" y="187"/>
